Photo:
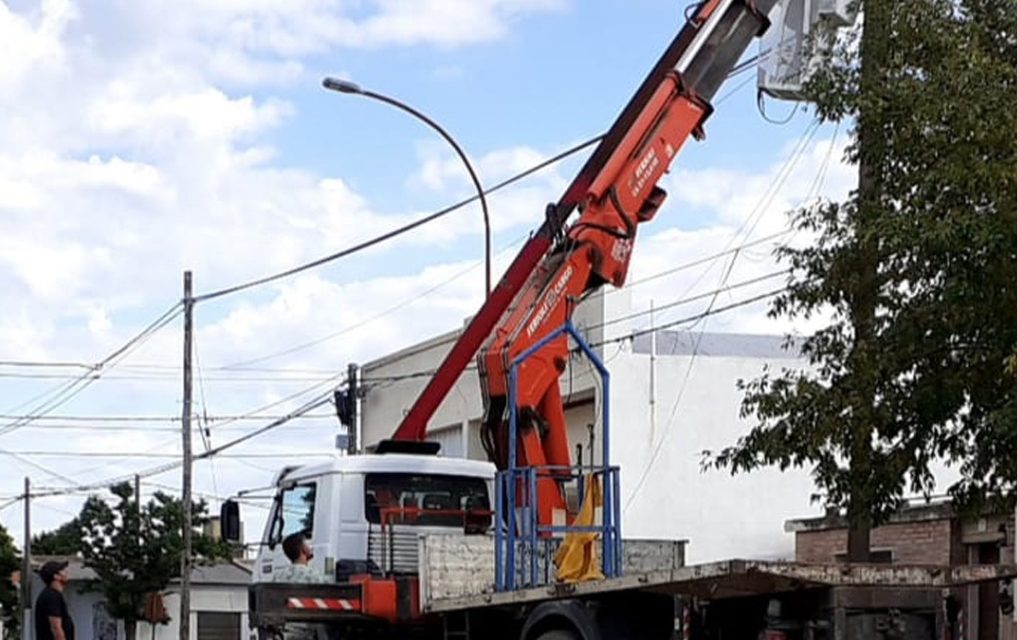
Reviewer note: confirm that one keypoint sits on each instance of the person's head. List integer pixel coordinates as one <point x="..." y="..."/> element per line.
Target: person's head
<point x="296" y="548"/>
<point x="54" y="574"/>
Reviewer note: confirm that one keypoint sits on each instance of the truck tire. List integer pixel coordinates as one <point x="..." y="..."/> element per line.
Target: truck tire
<point x="558" y="634"/>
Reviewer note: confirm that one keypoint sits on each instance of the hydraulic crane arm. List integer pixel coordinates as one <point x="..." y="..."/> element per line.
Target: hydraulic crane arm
<point x="615" y="191"/>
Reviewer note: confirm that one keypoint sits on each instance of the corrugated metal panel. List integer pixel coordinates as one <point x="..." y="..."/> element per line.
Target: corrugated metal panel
<point x="396" y="549"/>
<point x="451" y="442"/>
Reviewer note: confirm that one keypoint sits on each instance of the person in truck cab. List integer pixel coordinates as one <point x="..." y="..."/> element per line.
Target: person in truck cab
<point x="299" y="570"/>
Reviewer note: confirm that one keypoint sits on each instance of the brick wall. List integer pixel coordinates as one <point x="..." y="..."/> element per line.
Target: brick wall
<point x="923" y="542"/>
<point x="820" y="546"/>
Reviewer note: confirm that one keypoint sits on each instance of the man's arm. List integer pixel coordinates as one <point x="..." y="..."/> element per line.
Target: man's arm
<point x="56" y="625"/>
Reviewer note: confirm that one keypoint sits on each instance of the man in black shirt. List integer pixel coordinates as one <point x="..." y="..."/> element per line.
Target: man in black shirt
<point x="52" y="620"/>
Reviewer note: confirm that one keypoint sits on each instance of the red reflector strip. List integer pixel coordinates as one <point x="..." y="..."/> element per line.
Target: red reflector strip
<point x="323" y="604"/>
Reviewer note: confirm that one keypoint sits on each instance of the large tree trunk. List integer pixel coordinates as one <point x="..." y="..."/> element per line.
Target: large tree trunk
<point x="864" y="353"/>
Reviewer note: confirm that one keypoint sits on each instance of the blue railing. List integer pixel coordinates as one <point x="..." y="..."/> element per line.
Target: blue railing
<point x="524" y="548"/>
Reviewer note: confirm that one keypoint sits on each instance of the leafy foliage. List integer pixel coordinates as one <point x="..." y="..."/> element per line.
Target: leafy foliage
<point x="920" y="279"/>
<point x="65" y="540"/>
<point x="138" y="552"/>
<point x="9" y="563"/>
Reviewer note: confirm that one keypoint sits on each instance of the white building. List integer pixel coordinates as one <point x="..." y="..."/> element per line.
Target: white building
<point x="673" y="395"/>
<point x="218" y="604"/>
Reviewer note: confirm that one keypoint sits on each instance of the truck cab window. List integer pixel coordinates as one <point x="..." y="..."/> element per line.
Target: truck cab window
<point x="294" y="512"/>
<point x="424" y="499"/>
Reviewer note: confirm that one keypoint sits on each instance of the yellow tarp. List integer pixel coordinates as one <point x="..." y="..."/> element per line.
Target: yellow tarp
<point x="577" y="559"/>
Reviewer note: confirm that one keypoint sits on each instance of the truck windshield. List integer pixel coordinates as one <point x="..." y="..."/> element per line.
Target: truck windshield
<point x="436" y="500"/>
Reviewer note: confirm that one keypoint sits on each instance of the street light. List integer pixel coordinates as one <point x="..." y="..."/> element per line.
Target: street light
<point x="344" y="86"/>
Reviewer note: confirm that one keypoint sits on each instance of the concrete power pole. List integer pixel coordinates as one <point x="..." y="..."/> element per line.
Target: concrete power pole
<point x="26" y="569"/>
<point x="185" y="560"/>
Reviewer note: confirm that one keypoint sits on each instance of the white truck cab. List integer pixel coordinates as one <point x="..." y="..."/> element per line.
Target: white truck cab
<point x="364" y="513"/>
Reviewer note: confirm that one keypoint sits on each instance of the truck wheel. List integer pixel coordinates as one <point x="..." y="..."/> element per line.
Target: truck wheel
<point x="557" y="634"/>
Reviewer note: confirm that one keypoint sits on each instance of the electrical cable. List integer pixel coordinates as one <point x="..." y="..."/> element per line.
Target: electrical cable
<point x="154" y="471"/>
<point x="36" y="363"/>
<point x="700" y="261"/>
<point x="124" y="418"/>
<point x="203" y="431"/>
<point x="687" y="300"/>
<point x="782" y="176"/>
<point x="400" y="230"/>
<point x="44" y="453"/>
<point x="20" y="458"/>
<point x="693" y="318"/>
<point x="338" y="379"/>
<point x="426" y="219"/>
<point x="63" y="393"/>
<point x="129" y="429"/>
<point x="345" y="330"/>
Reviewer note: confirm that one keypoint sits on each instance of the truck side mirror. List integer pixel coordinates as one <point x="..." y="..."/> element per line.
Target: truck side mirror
<point x="229" y="521"/>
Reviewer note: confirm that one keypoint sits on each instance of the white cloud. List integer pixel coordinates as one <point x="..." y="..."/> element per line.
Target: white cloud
<point x="133" y="146"/>
<point x="26" y="47"/>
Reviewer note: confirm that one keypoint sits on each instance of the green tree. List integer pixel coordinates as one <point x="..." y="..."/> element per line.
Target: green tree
<point x="65" y="540"/>
<point x="10" y="562"/>
<point x="917" y="269"/>
<point x="137" y="552"/>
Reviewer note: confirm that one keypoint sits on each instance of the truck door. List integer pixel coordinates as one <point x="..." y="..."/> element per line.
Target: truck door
<point x="292" y="512"/>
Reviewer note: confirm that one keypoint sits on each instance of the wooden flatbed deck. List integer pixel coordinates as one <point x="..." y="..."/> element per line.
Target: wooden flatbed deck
<point x="455" y="577"/>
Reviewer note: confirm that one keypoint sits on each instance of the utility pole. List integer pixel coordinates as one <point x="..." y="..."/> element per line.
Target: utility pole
<point x="185" y="560"/>
<point x="864" y="352"/>
<point x="351" y="375"/>
<point x="26" y="568"/>
<point x="137" y="503"/>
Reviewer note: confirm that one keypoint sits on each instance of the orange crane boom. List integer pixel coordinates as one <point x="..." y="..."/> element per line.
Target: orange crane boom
<point x="615" y="191"/>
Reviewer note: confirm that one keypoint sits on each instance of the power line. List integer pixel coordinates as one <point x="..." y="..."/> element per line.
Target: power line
<point x="316" y="341"/>
<point x="311" y="405"/>
<point x="629" y="336"/>
<point x="337" y="379"/>
<point x="123" y="418"/>
<point x="169" y="368"/>
<point x="63" y="393"/>
<point x="22" y="459"/>
<point x="165" y="377"/>
<point x="35" y="363"/>
<point x="771" y="192"/>
<point x="748" y="64"/>
<point x="700" y="261"/>
<point x="695" y="298"/>
<point x="405" y="303"/>
<point x="42" y="453"/>
<point x="400" y="230"/>
<point x="243" y="367"/>
<point x="154" y="471"/>
<point x="130" y="429"/>
<point x="212" y="496"/>
<point x="694" y="318"/>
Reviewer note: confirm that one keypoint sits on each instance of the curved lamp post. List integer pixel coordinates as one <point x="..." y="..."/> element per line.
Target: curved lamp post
<point x="344" y="86"/>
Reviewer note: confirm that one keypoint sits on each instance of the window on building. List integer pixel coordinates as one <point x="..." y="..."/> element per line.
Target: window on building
<point x="218" y="625"/>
